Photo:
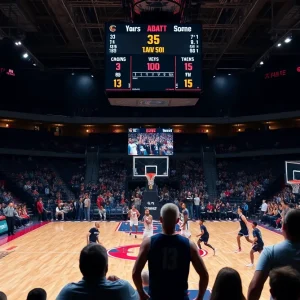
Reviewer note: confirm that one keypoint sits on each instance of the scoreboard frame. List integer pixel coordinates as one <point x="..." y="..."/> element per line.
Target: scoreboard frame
<point x="135" y="94"/>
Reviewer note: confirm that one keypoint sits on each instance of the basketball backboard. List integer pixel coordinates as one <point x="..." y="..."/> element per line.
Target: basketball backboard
<point x="159" y="165"/>
<point x="292" y="172"/>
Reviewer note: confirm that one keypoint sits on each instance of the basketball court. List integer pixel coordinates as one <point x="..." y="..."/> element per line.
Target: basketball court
<point x="48" y="256"/>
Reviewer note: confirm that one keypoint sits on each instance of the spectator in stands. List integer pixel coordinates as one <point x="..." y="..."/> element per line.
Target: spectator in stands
<point x="80" y="213"/>
<point x="102" y="213"/>
<point x="87" y="207"/>
<point x="285" y="284"/>
<point x="40" y="210"/>
<point x="283" y="254"/>
<point x="228" y="285"/>
<point x="47" y="191"/>
<point x="19" y="221"/>
<point x="263" y="209"/>
<point x="49" y="210"/>
<point x="59" y="212"/>
<point x="197" y="206"/>
<point x="93" y="264"/>
<point x="10" y="213"/>
<point x="125" y="211"/>
<point x="37" y="294"/>
<point x="210" y="211"/>
<point x="3" y="296"/>
<point x="168" y="277"/>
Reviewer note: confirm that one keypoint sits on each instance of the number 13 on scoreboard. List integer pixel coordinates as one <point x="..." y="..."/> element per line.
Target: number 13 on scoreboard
<point x="117" y="83"/>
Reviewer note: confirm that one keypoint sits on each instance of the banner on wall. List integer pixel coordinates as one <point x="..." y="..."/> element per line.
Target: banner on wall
<point x="3" y="227"/>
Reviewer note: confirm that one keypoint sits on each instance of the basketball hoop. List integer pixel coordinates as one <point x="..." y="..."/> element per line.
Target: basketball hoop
<point x="295" y="184"/>
<point x="150" y="177"/>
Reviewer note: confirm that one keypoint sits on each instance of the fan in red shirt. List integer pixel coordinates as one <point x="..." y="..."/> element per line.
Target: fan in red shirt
<point x="100" y="201"/>
<point x="40" y="209"/>
<point x="210" y="211"/>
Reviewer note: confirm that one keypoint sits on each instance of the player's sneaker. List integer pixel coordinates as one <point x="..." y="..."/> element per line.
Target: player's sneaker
<point x="238" y="250"/>
<point x="135" y="236"/>
<point x="250" y="265"/>
<point x="129" y="233"/>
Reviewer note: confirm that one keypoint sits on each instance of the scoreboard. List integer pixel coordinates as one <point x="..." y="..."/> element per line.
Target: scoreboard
<point x="153" y="58"/>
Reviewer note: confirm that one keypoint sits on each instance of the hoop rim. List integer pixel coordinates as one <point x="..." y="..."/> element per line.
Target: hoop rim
<point x="150" y="176"/>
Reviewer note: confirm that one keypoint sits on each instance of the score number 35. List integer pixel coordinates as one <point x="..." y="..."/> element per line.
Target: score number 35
<point x="153" y="39"/>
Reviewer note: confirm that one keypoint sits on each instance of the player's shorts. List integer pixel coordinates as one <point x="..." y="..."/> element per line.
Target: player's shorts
<point x="244" y="233"/>
<point x="257" y="247"/>
<point x="133" y="223"/>
<point x="148" y="233"/>
<point x="204" y="238"/>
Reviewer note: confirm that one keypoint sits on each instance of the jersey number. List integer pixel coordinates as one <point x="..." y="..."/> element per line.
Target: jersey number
<point x="170" y="256"/>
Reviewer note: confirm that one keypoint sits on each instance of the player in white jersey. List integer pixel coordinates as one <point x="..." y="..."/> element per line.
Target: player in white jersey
<point x="148" y="224"/>
<point x="134" y="215"/>
<point x="184" y="219"/>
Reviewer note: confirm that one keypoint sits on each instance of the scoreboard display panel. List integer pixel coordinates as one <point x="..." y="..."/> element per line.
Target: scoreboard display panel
<point x="153" y="58"/>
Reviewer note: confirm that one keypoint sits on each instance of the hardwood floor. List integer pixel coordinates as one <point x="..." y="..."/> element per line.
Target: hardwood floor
<point x="48" y="256"/>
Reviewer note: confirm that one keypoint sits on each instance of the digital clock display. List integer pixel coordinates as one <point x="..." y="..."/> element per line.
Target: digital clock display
<point x="153" y="57"/>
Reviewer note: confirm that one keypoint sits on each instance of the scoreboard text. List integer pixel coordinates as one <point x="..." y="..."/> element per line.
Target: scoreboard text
<point x="153" y="57"/>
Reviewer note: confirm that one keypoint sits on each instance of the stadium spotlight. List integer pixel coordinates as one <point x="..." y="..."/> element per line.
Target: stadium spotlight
<point x="73" y="74"/>
<point x="287" y="40"/>
<point x="25" y="55"/>
<point x="92" y="76"/>
<point x="279" y="45"/>
<point x="18" y="43"/>
<point x="34" y="64"/>
<point x="214" y="76"/>
<point x="261" y="63"/>
<point x="229" y="74"/>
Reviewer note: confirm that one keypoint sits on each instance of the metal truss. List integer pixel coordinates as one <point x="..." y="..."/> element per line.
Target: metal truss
<point x="236" y="33"/>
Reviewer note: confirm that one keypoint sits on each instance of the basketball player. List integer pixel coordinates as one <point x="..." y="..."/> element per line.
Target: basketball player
<point x="169" y="256"/>
<point x="134" y="215"/>
<point x="148" y="224"/>
<point x="204" y="236"/>
<point x="185" y="221"/>
<point x="258" y="244"/>
<point x="93" y="235"/>
<point x="243" y="230"/>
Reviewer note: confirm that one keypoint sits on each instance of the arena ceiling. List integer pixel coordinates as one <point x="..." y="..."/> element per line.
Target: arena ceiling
<point x="69" y="34"/>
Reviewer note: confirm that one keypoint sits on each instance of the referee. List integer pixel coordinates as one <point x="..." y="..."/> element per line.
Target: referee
<point x="10" y="214"/>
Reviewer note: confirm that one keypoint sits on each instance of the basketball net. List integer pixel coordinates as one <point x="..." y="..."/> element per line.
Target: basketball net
<point x="150" y="177"/>
<point x="295" y="188"/>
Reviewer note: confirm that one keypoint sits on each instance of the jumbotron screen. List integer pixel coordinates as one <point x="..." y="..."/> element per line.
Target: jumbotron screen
<point x="150" y="141"/>
<point x="153" y="58"/>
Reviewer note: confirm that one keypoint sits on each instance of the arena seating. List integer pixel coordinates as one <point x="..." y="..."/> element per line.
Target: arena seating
<point x="40" y="140"/>
<point x="252" y="140"/>
<point x="245" y="179"/>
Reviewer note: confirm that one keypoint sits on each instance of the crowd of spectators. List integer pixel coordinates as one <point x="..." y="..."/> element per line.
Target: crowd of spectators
<point x="238" y="180"/>
<point x="21" y="216"/>
<point x="273" y="209"/>
<point x="40" y="181"/>
<point x="252" y="140"/>
<point x="150" y="144"/>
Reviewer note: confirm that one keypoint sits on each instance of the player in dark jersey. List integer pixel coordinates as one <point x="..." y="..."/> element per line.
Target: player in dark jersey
<point x="243" y="230"/>
<point x="93" y="235"/>
<point x="258" y="243"/>
<point x="169" y="256"/>
<point x="204" y="236"/>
